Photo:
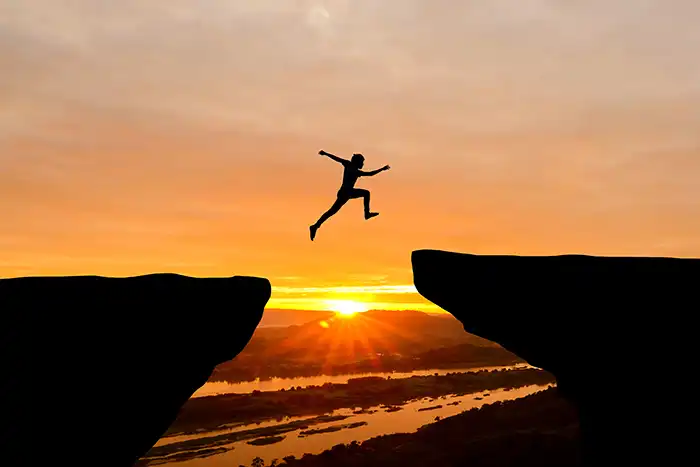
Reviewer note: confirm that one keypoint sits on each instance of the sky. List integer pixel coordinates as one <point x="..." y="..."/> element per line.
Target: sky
<point x="183" y="136"/>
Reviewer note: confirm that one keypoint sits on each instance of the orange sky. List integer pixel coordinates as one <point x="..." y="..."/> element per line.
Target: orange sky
<point x="182" y="136"/>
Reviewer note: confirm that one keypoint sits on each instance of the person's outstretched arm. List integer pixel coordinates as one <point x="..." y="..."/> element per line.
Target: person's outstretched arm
<point x="335" y="158"/>
<point x="374" y="172"/>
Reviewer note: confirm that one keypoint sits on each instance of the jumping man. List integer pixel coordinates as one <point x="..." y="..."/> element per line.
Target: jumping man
<point x="347" y="190"/>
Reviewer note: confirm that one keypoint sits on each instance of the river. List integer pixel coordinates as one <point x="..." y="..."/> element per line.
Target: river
<point x="376" y="421"/>
<point x="277" y="384"/>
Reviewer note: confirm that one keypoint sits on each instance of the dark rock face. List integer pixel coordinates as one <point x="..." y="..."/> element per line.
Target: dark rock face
<point x="95" y="369"/>
<point x="610" y="329"/>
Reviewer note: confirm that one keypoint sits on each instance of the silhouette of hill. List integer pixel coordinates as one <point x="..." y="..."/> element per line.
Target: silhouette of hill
<point x="538" y="430"/>
<point x="376" y="340"/>
<point x="94" y="365"/>
<point x="400" y="331"/>
<point x="282" y="318"/>
<point x="596" y="323"/>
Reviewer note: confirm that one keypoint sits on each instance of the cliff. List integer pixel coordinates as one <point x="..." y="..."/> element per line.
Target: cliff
<point x="612" y="330"/>
<point x="95" y="369"/>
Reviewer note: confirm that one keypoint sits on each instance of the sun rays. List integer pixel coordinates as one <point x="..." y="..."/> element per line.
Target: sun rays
<point x="354" y="336"/>
<point x="349" y="335"/>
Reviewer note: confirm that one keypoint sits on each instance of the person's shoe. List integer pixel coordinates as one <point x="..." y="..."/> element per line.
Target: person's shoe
<point x="370" y="215"/>
<point x="313" y="230"/>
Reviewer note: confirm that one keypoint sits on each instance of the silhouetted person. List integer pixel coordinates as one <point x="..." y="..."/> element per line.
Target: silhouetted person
<point x="347" y="190"/>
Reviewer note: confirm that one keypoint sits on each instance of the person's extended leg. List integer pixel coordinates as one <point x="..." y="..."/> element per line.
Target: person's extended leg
<point x="361" y="193"/>
<point x="339" y="202"/>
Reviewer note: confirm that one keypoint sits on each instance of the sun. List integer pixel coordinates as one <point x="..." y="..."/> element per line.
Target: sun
<point x="346" y="308"/>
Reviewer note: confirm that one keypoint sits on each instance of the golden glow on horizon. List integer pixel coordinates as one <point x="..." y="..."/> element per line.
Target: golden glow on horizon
<point x="320" y="305"/>
<point x="369" y="297"/>
<point x="346" y="308"/>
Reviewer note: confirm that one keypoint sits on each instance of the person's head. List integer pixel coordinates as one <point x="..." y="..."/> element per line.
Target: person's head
<point x="358" y="160"/>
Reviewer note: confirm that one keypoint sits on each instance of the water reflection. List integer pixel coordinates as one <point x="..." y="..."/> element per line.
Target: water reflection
<point x="379" y="421"/>
<point x="277" y="384"/>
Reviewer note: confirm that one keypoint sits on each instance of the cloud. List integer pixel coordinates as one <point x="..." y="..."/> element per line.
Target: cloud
<point x="374" y="290"/>
<point x="578" y="115"/>
<point x="223" y="63"/>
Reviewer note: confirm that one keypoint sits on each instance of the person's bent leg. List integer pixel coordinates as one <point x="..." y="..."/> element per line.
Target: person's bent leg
<point x="327" y="215"/>
<point x="365" y="195"/>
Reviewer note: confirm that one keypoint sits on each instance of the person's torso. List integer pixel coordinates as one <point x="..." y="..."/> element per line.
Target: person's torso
<point x="350" y="176"/>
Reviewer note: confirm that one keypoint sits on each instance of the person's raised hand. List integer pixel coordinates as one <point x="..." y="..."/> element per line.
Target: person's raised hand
<point x="386" y="167"/>
<point x="322" y="152"/>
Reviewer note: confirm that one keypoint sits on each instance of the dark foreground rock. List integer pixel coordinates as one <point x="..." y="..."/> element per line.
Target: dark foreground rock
<point x="95" y="369"/>
<point x="540" y="430"/>
<point x="608" y="328"/>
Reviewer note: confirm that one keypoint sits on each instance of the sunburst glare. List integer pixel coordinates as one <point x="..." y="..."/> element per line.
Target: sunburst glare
<point x="346" y="308"/>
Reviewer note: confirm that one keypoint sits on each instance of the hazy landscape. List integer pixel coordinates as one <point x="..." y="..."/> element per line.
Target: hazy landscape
<point x="337" y="381"/>
<point x="374" y="341"/>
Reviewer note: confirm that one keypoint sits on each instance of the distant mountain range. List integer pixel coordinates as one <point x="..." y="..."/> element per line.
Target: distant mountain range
<point x="278" y="318"/>
<point x="378" y="331"/>
<point x="284" y="317"/>
<point x="327" y="343"/>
